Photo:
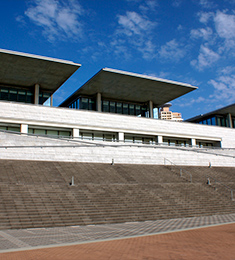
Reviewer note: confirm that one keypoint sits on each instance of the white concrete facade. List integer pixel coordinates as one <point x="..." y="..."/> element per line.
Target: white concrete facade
<point x="76" y="120"/>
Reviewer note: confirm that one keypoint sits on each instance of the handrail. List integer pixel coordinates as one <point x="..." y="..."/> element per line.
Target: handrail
<point x="206" y="175"/>
<point x="216" y="181"/>
<point x="181" y="170"/>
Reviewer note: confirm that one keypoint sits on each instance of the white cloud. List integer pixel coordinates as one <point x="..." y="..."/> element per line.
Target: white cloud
<point x="225" y="25"/>
<point x="206" y="3"/>
<point x="224" y="88"/>
<point x="134" y="23"/>
<point x="149" y="5"/>
<point x="177" y="3"/>
<point x="191" y="102"/>
<point x="225" y="28"/>
<point x="204" y="17"/>
<point x="204" y="33"/>
<point x="59" y="20"/>
<point x="135" y="30"/>
<point x="172" y="50"/>
<point x="205" y="58"/>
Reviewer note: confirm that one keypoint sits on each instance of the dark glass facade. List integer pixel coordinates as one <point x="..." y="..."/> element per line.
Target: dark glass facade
<point x="21" y="95"/>
<point x="111" y="106"/>
<point x="218" y="120"/>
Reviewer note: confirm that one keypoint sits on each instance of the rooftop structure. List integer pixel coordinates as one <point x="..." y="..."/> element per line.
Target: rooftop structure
<point x="123" y="92"/>
<point x="31" y="78"/>
<point x="224" y="116"/>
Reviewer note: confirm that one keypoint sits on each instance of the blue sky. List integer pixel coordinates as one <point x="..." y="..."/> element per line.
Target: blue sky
<point x="190" y="41"/>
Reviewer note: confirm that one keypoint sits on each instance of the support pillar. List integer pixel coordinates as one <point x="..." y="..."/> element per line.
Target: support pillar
<point x="51" y="101"/>
<point x="159" y="139"/>
<point x="98" y="102"/>
<point x="36" y="94"/>
<point x="193" y="142"/>
<point x="75" y="133"/>
<point x="230" y="121"/>
<point x="150" y="109"/>
<point x="121" y="137"/>
<point x="24" y="128"/>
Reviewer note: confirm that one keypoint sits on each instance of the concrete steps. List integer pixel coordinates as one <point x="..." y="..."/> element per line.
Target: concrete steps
<point x="38" y="194"/>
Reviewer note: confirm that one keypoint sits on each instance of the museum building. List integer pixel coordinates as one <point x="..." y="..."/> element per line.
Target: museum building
<point x="113" y="105"/>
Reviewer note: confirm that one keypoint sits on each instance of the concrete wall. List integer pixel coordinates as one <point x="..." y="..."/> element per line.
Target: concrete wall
<point x="25" y="114"/>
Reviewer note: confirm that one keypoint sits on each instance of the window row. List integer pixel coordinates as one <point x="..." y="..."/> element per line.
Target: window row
<point x="218" y="120"/>
<point x="22" y="95"/>
<point x="111" y="106"/>
<point x="112" y="137"/>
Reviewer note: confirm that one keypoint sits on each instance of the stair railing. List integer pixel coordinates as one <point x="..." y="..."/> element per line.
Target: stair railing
<point x="181" y="171"/>
<point x="222" y="184"/>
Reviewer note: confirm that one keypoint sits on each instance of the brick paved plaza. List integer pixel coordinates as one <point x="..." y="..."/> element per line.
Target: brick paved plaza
<point x="191" y="238"/>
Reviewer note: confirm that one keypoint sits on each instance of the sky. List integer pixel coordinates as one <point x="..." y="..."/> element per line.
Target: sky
<point x="189" y="41"/>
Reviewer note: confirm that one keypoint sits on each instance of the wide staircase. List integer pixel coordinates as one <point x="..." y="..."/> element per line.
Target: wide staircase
<point x="39" y="194"/>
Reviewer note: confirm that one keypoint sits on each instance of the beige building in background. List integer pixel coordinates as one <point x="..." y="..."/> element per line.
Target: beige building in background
<point x="166" y="114"/>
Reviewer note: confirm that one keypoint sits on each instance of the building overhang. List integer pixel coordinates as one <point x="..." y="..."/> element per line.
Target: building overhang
<point x="222" y="111"/>
<point x="25" y="70"/>
<point x="126" y="86"/>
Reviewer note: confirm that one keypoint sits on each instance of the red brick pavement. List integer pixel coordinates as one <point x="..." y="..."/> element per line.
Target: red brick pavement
<point x="205" y="243"/>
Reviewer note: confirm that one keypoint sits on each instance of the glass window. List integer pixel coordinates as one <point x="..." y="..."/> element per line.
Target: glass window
<point x="105" y="106"/>
<point x="119" y="107"/>
<point x="84" y="103"/>
<point x="21" y="95"/>
<point x="4" y="94"/>
<point x="91" y="104"/>
<point x="30" y="131"/>
<point x="128" y="139"/>
<point x="233" y="120"/>
<point x="137" y="110"/>
<point x="52" y="132"/>
<point x="39" y="131"/>
<point x="64" y="133"/>
<point x="125" y="109"/>
<point x="29" y="97"/>
<point x="12" y="95"/>
<point x="131" y="109"/>
<point x="112" y="107"/>
<point x="222" y="121"/>
<point x="143" y="111"/>
<point x="98" y="136"/>
<point x="213" y="121"/>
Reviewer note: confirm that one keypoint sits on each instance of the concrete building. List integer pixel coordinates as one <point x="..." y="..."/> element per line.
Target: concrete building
<point x="114" y="119"/>
<point x="221" y="117"/>
<point x="166" y="114"/>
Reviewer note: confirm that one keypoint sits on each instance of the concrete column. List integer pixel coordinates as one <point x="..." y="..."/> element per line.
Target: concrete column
<point x="150" y="109"/>
<point x="121" y="137"/>
<point x="230" y="121"/>
<point x="159" y="139"/>
<point x="24" y="128"/>
<point x="75" y="133"/>
<point x="36" y="94"/>
<point x="193" y="142"/>
<point x="51" y="101"/>
<point x="98" y="102"/>
<point x="159" y="112"/>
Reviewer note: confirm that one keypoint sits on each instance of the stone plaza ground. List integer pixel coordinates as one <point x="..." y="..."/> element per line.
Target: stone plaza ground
<point x="211" y="237"/>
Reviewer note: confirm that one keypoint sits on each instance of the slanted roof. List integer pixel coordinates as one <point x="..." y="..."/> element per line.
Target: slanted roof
<point x="126" y="86"/>
<point x="222" y="111"/>
<point x="26" y="70"/>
